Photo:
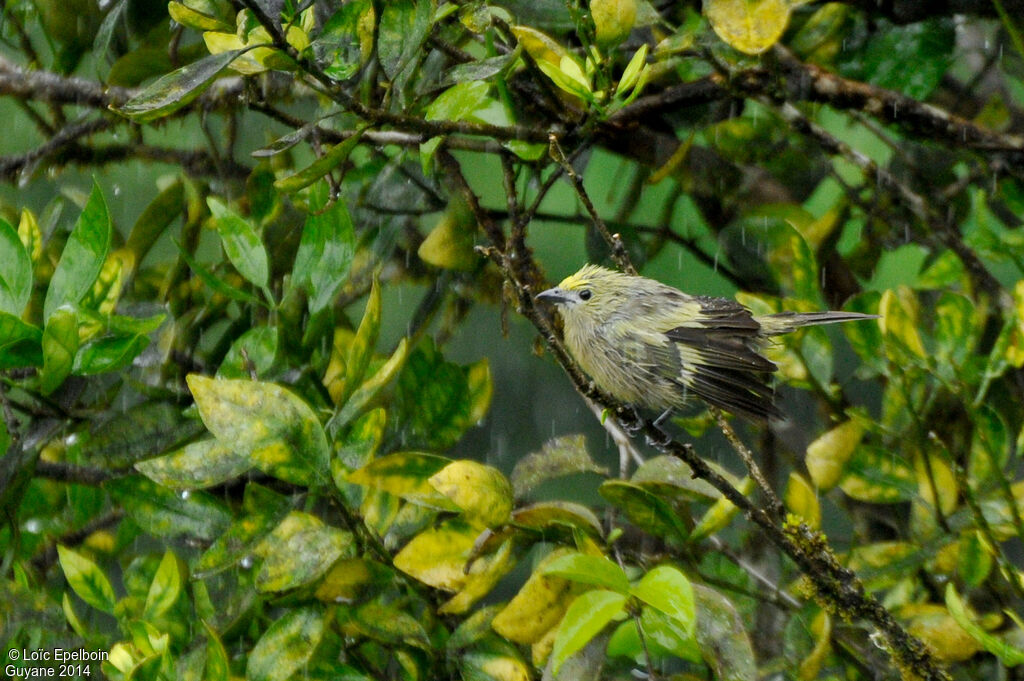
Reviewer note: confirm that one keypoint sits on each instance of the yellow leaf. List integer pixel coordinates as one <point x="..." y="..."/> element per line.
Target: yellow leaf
<point x="899" y="310"/>
<point x="750" y="26"/>
<point x="484" y="574"/>
<point x="538" y="607"/>
<point x="450" y="244"/>
<point x="438" y="555"/>
<point x="802" y="500"/>
<point x="613" y="20"/>
<point x="946" y="639"/>
<point x="30" y="235"/>
<point x="812" y="664"/>
<point x="482" y="492"/>
<point x="539" y="45"/>
<point x="827" y="456"/>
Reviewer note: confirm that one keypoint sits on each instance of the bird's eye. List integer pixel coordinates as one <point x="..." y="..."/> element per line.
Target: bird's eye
<point x="585" y="294"/>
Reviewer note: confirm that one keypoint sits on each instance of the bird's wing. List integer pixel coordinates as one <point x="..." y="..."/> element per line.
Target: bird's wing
<point x="724" y="334"/>
<point x="719" y="351"/>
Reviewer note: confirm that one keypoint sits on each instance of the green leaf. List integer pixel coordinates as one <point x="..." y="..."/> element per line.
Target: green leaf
<point x="217" y="663"/>
<point x="1009" y="655"/>
<point x="59" y="343"/>
<point x="193" y="18"/>
<point x="334" y="157"/>
<point x="155" y="218"/>
<point x="884" y="57"/>
<point x="325" y="252"/>
<point x="216" y="284"/>
<point x="199" y="464"/>
<point x="346" y="41"/>
<point x="165" y="587"/>
<point x="15" y="271"/>
<point x="299" y="550"/>
<point x="481" y="69"/>
<point x="257" y="345"/>
<point x="564" y="455"/>
<point x="242" y="244"/>
<point x="645" y="509"/>
<point x="402" y="29"/>
<point x="176" y="89"/>
<point x="875" y="475"/>
<point x="722" y="637"/>
<point x="371" y="387"/>
<point x="262" y="511"/>
<point x="432" y="400"/>
<point x="109" y="353"/>
<point x="14" y="331"/>
<point x="406" y="475"/>
<point x="165" y="513"/>
<point x="584" y="619"/>
<point x="587" y="569"/>
<point x="279" y="431"/>
<point x="460" y="102"/>
<point x="286" y="646"/>
<point x="86" y="578"/>
<point x="83" y="256"/>
<point x="668" y="590"/>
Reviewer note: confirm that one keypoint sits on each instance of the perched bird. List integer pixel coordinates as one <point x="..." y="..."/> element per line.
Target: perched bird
<point x="651" y="345"/>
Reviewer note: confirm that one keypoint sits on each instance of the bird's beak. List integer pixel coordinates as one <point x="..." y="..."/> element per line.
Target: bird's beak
<point x="553" y="295"/>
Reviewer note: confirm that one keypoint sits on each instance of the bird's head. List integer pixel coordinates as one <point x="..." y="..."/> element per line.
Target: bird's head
<point x="592" y="291"/>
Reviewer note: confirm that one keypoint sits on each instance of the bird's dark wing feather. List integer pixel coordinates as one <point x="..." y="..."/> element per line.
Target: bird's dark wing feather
<point x="724" y="367"/>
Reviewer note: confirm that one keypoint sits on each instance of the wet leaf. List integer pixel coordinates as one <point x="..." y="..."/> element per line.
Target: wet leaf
<point x="750" y="26"/>
<point x="802" y="500"/>
<point x="86" y="579"/>
<point x="402" y="29"/>
<point x="20" y="343"/>
<point x="176" y="89"/>
<point x="722" y="637"/>
<point x="256" y="348"/>
<point x="286" y="646"/>
<point x="262" y="511"/>
<point x="828" y="455"/>
<point x="584" y="619"/>
<point x="242" y="244"/>
<point x="560" y="456"/>
<point x="165" y="513"/>
<point x="334" y="157"/>
<point x="199" y="464"/>
<point x="667" y="590"/>
<point x="15" y="271"/>
<point x="279" y="431"/>
<point x="83" y="256"/>
<point x="438" y="556"/>
<point x="217" y="666"/>
<point x="482" y="493"/>
<point x="484" y="574"/>
<point x="587" y="569"/>
<point x="875" y="475"/>
<point x="300" y="550"/>
<point x="369" y="389"/>
<point x="538" y="606"/>
<point x="1009" y="655"/>
<point x="406" y="475"/>
<point x="346" y="42"/>
<point x="165" y="587"/>
<point x="720" y="514"/>
<point x="59" y="345"/>
<point x="110" y="353"/>
<point x="325" y="254"/>
<point x="644" y="509"/>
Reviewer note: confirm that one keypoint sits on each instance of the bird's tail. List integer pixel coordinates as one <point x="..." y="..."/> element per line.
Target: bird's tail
<point x="785" y="322"/>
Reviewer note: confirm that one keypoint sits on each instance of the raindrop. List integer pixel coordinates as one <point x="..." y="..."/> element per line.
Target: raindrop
<point x="246" y="562"/>
<point x="33" y="526"/>
<point x="71" y="439"/>
<point x="117" y="190"/>
<point x="715" y="267"/>
<point x="185" y="494"/>
<point x="743" y="234"/>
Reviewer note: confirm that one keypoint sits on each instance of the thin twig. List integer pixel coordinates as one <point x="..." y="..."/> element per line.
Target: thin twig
<point x="777" y="509"/>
